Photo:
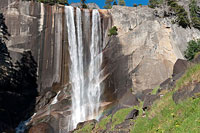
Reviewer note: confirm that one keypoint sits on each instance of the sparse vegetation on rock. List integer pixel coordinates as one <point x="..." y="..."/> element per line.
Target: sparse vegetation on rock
<point x="181" y="14"/>
<point x="108" y="4"/>
<point x="155" y="3"/>
<point x="113" y="31"/>
<point x="195" y="14"/>
<point x="122" y="3"/>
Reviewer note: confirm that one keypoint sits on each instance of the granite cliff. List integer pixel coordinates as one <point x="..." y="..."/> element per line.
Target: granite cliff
<point x="139" y="58"/>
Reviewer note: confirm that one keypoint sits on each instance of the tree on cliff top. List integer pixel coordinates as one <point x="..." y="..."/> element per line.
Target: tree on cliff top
<point x="108" y="4"/>
<point x="195" y="14"/>
<point x="115" y="2"/>
<point x="122" y="3"/>
<point x="83" y="3"/>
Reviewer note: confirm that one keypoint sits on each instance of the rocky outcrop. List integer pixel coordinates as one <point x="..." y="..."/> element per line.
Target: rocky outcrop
<point x="143" y="53"/>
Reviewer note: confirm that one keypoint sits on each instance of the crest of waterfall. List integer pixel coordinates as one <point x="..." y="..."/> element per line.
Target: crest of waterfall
<point x="84" y="77"/>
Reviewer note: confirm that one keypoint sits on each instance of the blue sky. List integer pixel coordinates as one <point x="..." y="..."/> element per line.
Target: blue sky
<point x="100" y="3"/>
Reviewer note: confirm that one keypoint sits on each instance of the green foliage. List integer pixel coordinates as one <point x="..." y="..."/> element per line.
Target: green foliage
<point x="192" y="49"/>
<point x="191" y="74"/>
<point x="155" y="90"/>
<point x="108" y="4"/>
<point x="155" y="3"/>
<point x="140" y="4"/>
<point x="166" y="116"/>
<point x="182" y="16"/>
<point x="83" y="4"/>
<point x="195" y="14"/>
<point x="102" y="124"/>
<point x="113" y="31"/>
<point x="115" y="3"/>
<point x="86" y="129"/>
<point x="122" y="3"/>
<point x="120" y="116"/>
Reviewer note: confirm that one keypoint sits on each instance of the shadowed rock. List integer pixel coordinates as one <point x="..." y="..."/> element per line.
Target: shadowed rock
<point x="41" y="128"/>
<point x="133" y="114"/>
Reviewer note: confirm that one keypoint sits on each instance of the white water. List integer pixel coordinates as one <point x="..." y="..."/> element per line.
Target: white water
<point x="86" y="88"/>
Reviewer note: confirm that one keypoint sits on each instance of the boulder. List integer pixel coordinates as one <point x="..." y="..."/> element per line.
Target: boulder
<point x="180" y="66"/>
<point x="143" y="94"/>
<point x="82" y="124"/>
<point x="41" y="128"/>
<point x="148" y="101"/>
<point x="133" y="114"/>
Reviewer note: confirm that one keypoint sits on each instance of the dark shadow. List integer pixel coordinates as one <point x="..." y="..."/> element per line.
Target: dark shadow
<point x="119" y="81"/>
<point x="18" y="85"/>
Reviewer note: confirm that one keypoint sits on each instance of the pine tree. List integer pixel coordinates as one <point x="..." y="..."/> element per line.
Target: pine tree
<point x="108" y="4"/>
<point x="83" y="3"/>
<point x="122" y="3"/>
<point x="115" y="3"/>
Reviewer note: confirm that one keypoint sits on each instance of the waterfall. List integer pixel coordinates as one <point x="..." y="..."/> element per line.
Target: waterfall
<point x="85" y="79"/>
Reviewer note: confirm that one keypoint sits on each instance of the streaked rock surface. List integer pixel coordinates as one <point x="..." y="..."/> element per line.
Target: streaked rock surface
<point x="140" y="57"/>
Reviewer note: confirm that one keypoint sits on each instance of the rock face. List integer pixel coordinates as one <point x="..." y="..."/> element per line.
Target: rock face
<point x="140" y="57"/>
<point x="143" y="53"/>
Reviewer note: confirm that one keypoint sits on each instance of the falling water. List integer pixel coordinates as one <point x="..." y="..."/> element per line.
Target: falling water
<point x="85" y="79"/>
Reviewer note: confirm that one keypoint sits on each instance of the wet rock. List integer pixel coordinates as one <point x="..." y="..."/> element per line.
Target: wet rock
<point x="133" y="114"/>
<point x="41" y="128"/>
<point x="62" y="105"/>
<point x="44" y="100"/>
<point x="65" y="93"/>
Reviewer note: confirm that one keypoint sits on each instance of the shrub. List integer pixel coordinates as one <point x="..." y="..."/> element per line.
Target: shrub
<point x="113" y="31"/>
<point x="194" y="14"/>
<point x="155" y="3"/>
<point x="134" y="5"/>
<point x="192" y="49"/>
<point x="182" y="16"/>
